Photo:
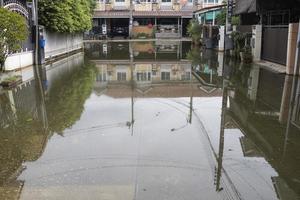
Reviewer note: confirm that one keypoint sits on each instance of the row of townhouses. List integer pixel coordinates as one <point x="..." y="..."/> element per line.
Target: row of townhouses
<point x="145" y="18"/>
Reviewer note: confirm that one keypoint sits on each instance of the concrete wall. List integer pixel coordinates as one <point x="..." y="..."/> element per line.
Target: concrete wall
<point x="19" y="60"/>
<point x="58" y="43"/>
<point x="142" y="29"/>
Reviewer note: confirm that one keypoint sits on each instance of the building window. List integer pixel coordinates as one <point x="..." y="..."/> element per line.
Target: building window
<point x="210" y="1"/>
<point x="121" y="76"/>
<point x="101" y="77"/>
<point x="165" y="76"/>
<point x="166" y="1"/>
<point x="186" y="76"/>
<point x="143" y="76"/>
<point x="120" y="1"/>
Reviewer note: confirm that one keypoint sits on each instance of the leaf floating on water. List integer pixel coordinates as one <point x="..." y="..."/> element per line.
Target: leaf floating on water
<point x="29" y="120"/>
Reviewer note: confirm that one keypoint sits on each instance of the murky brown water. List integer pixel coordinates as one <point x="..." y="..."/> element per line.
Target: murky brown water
<point x="150" y="120"/>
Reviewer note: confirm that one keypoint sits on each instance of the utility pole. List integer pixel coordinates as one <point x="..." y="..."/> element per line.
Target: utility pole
<point x="36" y="30"/>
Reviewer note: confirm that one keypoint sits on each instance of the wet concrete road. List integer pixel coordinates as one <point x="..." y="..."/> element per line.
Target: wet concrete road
<point x="102" y="158"/>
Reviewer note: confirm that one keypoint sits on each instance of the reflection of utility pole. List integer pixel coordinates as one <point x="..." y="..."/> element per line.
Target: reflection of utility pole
<point x="291" y="113"/>
<point x="131" y="19"/>
<point x="1" y="3"/>
<point x="36" y="25"/>
<point x="191" y="98"/>
<point x="221" y="140"/>
<point x="132" y="86"/>
<point x="12" y="104"/>
<point x="37" y="69"/>
<point x="40" y="97"/>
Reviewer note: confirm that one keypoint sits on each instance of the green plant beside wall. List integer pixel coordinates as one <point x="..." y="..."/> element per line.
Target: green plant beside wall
<point x="241" y="50"/>
<point x="247" y="54"/>
<point x="238" y="42"/>
<point x="13" y="31"/>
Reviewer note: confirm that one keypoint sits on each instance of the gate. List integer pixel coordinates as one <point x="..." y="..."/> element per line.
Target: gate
<point x="274" y="43"/>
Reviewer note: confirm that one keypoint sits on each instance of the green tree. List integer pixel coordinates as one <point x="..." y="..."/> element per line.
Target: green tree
<point x="195" y="31"/>
<point x="66" y="16"/>
<point x="13" y="31"/>
<point x="221" y="18"/>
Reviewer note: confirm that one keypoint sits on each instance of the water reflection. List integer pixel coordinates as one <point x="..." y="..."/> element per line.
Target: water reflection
<point x="150" y="120"/>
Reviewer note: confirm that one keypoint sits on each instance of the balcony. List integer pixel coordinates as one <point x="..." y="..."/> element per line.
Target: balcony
<point x="168" y="31"/>
<point x="207" y="5"/>
<point x="143" y="6"/>
<point x="100" y="6"/>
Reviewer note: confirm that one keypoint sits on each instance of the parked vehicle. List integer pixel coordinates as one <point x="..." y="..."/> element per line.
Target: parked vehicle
<point x="120" y="31"/>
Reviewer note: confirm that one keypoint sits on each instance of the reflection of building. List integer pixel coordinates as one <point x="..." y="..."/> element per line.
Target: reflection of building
<point x="156" y="79"/>
<point x="261" y="107"/>
<point x="22" y="135"/>
<point x="282" y="189"/>
<point x="249" y="148"/>
<point x="158" y="50"/>
<point x="296" y="111"/>
<point x="143" y="72"/>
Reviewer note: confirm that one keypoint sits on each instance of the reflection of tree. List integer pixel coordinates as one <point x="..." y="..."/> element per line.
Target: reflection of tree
<point x="67" y="97"/>
<point x="21" y="141"/>
<point x="240" y="74"/>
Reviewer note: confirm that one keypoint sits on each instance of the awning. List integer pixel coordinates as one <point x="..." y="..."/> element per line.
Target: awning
<point x="183" y="14"/>
<point x="245" y="6"/>
<point x="111" y="14"/>
<point x="126" y="14"/>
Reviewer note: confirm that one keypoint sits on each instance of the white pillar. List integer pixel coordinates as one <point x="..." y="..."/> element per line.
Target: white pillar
<point x="297" y="57"/>
<point x="256" y="42"/>
<point x="221" y="41"/>
<point x="292" y="47"/>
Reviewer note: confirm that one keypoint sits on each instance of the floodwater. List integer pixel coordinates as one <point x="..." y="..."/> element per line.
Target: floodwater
<point x="150" y="121"/>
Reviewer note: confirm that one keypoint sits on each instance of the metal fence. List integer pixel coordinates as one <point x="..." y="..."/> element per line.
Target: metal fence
<point x="274" y="44"/>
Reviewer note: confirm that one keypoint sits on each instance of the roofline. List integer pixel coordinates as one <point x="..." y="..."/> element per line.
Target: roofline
<point x="210" y="8"/>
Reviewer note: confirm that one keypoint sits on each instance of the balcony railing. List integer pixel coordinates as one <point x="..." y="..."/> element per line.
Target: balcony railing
<point x="168" y="31"/>
<point x="155" y="5"/>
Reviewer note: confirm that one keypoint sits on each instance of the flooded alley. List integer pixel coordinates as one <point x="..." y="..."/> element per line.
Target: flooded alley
<point x="157" y="120"/>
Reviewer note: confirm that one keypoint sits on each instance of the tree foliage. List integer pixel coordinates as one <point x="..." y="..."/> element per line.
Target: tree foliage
<point x="221" y="18"/>
<point x="66" y="16"/>
<point x="195" y="31"/>
<point x="13" y="31"/>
